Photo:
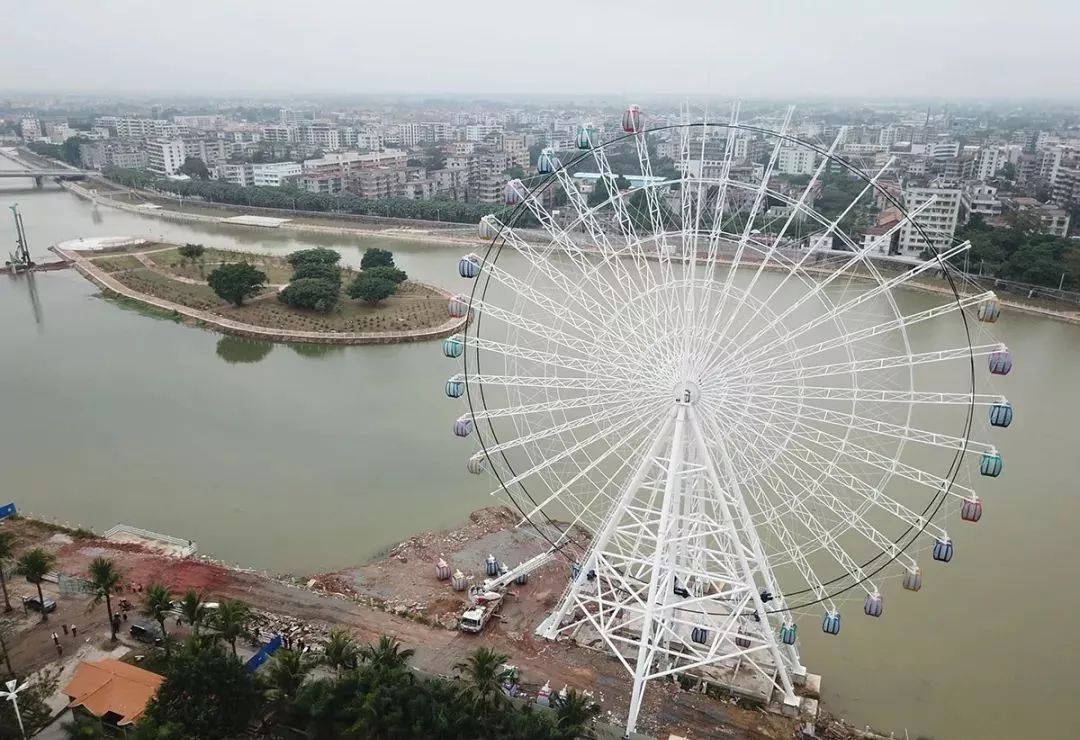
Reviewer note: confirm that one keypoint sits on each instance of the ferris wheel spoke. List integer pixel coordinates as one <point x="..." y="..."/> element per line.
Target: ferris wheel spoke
<point x="568" y="383"/>
<point x="873" y="365"/>
<point x="759" y="198"/>
<point x="567" y="427"/>
<point x="821" y="285"/>
<point x="804" y="455"/>
<point x="599" y="367"/>
<point x="618" y="204"/>
<point x="812" y="393"/>
<point x="642" y="418"/>
<point x="568" y="290"/>
<point x="799" y="207"/>
<point x="579" y="320"/>
<point x="906" y="433"/>
<point x="851" y="304"/>
<point x="547" y="407"/>
<point x="626" y="461"/>
<point x="813" y="488"/>
<point x="767" y="361"/>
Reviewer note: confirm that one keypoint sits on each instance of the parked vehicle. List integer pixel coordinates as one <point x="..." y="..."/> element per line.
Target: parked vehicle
<point x="147" y="631"/>
<point x="34" y="605"/>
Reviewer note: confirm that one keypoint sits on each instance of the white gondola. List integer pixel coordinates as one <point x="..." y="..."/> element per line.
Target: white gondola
<point x="458" y="306"/>
<point x="469" y="266"/>
<point x="477" y="463"/>
<point x="489" y="227"/>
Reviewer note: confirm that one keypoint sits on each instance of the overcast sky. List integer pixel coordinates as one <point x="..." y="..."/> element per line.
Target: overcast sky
<point x="754" y="48"/>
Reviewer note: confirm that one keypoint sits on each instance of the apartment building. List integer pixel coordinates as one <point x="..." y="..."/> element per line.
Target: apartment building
<point x="112" y="153"/>
<point x="142" y="128"/>
<point x="796" y="160"/>
<point x="938" y="220"/>
<point x="164" y="156"/>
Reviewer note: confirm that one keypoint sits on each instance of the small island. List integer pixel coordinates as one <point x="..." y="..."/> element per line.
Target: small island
<point x="306" y="296"/>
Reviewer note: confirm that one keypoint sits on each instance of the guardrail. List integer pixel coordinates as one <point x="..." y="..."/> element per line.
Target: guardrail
<point x="185" y="547"/>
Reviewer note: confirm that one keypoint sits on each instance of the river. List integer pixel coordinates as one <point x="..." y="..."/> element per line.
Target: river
<point x="305" y="459"/>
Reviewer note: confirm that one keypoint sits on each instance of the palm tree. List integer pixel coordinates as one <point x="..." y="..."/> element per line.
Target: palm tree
<point x="157" y="604"/>
<point x="7" y="549"/>
<point x="193" y="608"/>
<point x="232" y="621"/>
<point x="35" y="565"/>
<point x="340" y="650"/>
<point x="387" y="654"/>
<point x="105" y="577"/>
<point x="485" y="672"/>
<point x="284" y="677"/>
<point x="575" y="713"/>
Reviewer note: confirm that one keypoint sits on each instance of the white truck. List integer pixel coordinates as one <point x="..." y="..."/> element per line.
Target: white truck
<point x="474" y="618"/>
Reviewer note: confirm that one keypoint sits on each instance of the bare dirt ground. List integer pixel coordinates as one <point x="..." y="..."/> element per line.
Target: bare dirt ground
<point x="404" y="580"/>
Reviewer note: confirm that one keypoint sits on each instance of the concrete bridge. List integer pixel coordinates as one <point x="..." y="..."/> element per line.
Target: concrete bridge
<point x="40" y="175"/>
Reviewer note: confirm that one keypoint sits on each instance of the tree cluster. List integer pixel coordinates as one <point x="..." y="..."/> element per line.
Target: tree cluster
<point x="66" y="152"/>
<point x="316" y="280"/>
<point x="217" y="191"/>
<point x="379" y="278"/>
<point x="1019" y="252"/>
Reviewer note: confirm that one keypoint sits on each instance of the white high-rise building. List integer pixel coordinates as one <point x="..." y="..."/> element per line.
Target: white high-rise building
<point x="938" y="220"/>
<point x="164" y="156"/>
<point x="274" y="174"/>
<point x="796" y="160"/>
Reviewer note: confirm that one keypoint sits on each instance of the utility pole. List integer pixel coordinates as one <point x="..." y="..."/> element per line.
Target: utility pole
<point x="1062" y="281"/>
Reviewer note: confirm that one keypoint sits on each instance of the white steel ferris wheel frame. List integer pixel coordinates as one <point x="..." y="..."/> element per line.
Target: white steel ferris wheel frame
<point x="676" y="577"/>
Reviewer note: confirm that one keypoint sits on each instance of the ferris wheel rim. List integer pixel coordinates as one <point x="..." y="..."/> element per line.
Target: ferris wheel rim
<point x="498" y="242"/>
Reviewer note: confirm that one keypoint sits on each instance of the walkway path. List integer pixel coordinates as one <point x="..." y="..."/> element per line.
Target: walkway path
<point x="112" y="285"/>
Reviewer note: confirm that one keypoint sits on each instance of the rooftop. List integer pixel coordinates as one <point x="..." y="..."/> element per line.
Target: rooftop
<point x="112" y="687"/>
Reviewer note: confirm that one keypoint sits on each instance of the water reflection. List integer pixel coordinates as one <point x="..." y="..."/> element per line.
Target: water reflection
<point x="29" y="281"/>
<point x="238" y="350"/>
<point x="317" y="350"/>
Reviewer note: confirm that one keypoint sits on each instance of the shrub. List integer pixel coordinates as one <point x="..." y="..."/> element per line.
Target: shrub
<point x="386" y="272"/>
<point x="375" y="257"/>
<point x="192" y="251"/>
<point x="319" y="271"/>
<point x="320" y="255"/>
<point x="311" y="293"/>
<point x="371" y="290"/>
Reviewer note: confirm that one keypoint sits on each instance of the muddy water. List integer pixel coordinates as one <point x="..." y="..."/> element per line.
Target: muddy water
<point x="302" y="459"/>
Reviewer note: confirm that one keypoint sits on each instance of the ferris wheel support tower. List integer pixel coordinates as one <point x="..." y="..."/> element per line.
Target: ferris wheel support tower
<point x="687" y="590"/>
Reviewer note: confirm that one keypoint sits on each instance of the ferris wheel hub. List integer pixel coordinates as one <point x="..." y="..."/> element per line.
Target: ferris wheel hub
<point x="687" y="393"/>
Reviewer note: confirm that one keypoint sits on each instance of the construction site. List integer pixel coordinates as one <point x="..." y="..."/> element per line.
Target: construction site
<point x="402" y="594"/>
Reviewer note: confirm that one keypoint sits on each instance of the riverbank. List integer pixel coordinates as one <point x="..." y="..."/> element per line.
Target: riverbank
<point x="156" y="206"/>
<point x="146" y="204"/>
<point x="307" y="609"/>
<point x="153" y="275"/>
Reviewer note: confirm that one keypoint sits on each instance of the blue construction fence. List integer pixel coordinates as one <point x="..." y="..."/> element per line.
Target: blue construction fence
<point x="256" y="660"/>
<point x="6" y="511"/>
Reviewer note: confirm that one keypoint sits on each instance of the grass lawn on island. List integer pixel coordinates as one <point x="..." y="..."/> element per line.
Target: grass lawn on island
<point x="412" y="307"/>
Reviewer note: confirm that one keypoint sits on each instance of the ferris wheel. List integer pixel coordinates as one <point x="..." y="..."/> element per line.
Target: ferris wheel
<point x="723" y="408"/>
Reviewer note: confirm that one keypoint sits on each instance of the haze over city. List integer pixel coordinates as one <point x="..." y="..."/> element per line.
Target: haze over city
<point x="927" y="49"/>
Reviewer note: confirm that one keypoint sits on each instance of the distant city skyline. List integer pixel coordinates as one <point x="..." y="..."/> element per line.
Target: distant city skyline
<point x="991" y="50"/>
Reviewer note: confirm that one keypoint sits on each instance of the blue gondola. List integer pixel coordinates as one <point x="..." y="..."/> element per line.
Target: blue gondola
<point x="455" y="387"/>
<point x="787" y="633"/>
<point x="913" y="580"/>
<point x="700" y="635"/>
<point x="989" y="311"/>
<point x="831" y="624"/>
<point x="458" y="307"/>
<point x="990" y="465"/>
<point x="521" y="578"/>
<point x="547" y="162"/>
<point x="491" y="566"/>
<point x="453" y="346"/>
<point x="943" y="550"/>
<point x="586" y="137"/>
<point x="972" y="509"/>
<point x="513" y="193"/>
<point x="469" y="266"/>
<point x="872" y="605"/>
<point x="1001" y="414"/>
<point x="463" y="427"/>
<point x="1000" y="362"/>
